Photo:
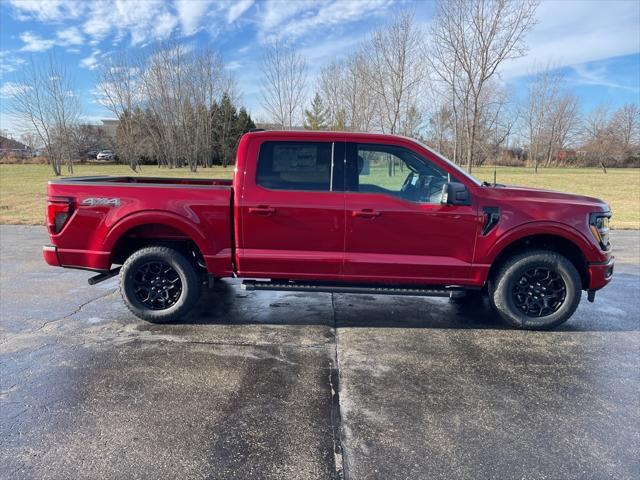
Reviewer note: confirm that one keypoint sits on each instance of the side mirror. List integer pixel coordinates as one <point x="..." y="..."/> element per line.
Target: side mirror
<point x="454" y="193"/>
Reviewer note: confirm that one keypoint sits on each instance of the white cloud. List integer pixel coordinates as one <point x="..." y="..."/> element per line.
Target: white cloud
<point x="191" y="13"/>
<point x="597" y="75"/>
<point x="91" y="62"/>
<point x="11" y="123"/>
<point x="237" y="9"/>
<point x="576" y="32"/>
<point x="165" y="23"/>
<point x="9" y="63"/>
<point x="233" y="65"/>
<point x="9" y="89"/>
<point x="66" y="37"/>
<point x="293" y="20"/>
<point x="144" y="20"/>
<point x="48" y="10"/>
<point x="35" y="43"/>
<point x="70" y="36"/>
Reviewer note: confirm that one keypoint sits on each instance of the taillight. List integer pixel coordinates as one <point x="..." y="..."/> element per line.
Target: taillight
<point x="59" y="209"/>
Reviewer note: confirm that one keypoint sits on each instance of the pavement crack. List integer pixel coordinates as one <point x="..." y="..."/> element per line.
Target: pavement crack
<point x="336" y="416"/>
<point x="78" y="309"/>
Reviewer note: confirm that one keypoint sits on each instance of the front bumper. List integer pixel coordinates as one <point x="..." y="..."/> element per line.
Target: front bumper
<point x="600" y="274"/>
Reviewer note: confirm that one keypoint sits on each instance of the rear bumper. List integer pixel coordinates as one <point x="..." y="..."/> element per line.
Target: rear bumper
<point x="82" y="259"/>
<point x="50" y="253"/>
<point x="600" y="274"/>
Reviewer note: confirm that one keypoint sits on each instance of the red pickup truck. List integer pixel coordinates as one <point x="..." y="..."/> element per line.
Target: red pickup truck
<point x="334" y="212"/>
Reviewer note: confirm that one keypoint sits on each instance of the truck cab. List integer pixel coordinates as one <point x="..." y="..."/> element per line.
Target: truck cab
<point x="339" y="212"/>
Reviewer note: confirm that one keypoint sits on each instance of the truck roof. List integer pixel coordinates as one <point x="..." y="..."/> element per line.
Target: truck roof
<point x="324" y="134"/>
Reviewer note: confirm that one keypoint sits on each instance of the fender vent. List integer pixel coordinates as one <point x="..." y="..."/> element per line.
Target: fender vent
<point x="491" y="219"/>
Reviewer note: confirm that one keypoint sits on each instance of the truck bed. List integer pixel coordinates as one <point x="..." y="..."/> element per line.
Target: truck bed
<point x="206" y="182"/>
<point x="109" y="212"/>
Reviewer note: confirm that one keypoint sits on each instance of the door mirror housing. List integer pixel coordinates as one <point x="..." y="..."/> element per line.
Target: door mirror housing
<point x="454" y="193"/>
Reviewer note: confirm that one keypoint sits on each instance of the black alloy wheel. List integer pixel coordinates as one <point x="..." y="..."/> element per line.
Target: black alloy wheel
<point x="539" y="292"/>
<point x="157" y="285"/>
<point x="535" y="289"/>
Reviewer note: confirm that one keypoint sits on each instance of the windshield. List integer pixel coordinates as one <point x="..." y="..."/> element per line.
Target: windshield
<point x="449" y="162"/>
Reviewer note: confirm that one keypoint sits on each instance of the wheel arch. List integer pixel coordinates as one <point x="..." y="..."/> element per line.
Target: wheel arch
<point x="155" y="228"/>
<point x="556" y="239"/>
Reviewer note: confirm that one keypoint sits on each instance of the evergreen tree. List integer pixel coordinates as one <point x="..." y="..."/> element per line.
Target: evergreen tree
<point x="245" y="123"/>
<point x="316" y="119"/>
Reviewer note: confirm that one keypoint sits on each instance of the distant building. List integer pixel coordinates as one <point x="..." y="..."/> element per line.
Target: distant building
<point x="110" y="126"/>
<point x="9" y="146"/>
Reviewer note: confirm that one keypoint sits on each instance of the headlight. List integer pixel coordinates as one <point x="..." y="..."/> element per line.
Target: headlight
<point x="599" y="226"/>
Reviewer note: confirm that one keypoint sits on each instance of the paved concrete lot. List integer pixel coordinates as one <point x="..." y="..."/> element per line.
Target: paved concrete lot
<point x="263" y="385"/>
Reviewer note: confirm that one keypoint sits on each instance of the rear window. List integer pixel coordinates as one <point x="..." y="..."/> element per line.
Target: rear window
<point x="295" y="166"/>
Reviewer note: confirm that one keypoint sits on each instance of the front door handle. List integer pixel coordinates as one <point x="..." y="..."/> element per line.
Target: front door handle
<point x="262" y="210"/>
<point x="366" y="213"/>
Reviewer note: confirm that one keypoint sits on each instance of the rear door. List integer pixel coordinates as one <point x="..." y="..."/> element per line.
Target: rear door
<point x="397" y="230"/>
<point x="291" y="210"/>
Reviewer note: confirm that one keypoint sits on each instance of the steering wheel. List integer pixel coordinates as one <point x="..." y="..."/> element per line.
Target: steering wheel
<point x="407" y="183"/>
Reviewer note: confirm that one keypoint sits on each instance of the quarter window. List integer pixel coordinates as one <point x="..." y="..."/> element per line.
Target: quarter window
<point x="295" y="166"/>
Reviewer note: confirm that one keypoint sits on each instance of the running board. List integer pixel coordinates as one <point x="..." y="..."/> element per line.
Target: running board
<point x="342" y="288"/>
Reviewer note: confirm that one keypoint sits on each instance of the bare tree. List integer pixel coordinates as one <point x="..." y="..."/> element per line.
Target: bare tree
<point x="472" y="39"/>
<point x="48" y="105"/>
<point x="496" y="122"/>
<point x="344" y="89"/>
<point x="32" y="140"/>
<point x="550" y="116"/>
<point x="119" y="90"/>
<point x="440" y="128"/>
<point x="626" y="123"/>
<point x="597" y="135"/>
<point x="396" y="73"/>
<point x="285" y="84"/>
<point x="562" y="123"/>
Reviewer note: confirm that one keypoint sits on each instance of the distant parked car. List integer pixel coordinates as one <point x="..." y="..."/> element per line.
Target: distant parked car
<point x="105" y="155"/>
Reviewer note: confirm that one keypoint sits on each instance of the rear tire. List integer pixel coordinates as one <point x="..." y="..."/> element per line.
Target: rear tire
<point x="536" y="290"/>
<point x="159" y="285"/>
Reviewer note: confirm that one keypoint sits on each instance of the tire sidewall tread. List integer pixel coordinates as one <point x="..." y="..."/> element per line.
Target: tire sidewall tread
<point x="189" y="278"/>
<point x="501" y="287"/>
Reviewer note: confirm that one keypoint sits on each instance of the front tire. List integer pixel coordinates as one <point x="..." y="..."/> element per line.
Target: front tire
<point x="536" y="290"/>
<point x="159" y="285"/>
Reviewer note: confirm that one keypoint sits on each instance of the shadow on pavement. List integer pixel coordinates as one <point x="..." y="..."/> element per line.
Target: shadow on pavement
<point x="229" y="305"/>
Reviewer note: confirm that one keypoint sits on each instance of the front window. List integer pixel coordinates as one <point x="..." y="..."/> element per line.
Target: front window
<point x="457" y="168"/>
<point x="395" y="171"/>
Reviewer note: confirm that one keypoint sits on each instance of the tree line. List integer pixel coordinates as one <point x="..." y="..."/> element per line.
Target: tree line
<point x="176" y="107"/>
<point x="442" y="85"/>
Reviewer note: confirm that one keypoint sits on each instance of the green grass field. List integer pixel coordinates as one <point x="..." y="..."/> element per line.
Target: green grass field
<point x="23" y="187"/>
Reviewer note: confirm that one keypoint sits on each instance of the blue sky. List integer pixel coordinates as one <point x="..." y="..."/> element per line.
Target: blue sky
<point x="596" y="43"/>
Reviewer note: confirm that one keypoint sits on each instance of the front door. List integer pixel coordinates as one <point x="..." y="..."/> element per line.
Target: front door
<point x="291" y="211"/>
<point x="397" y="230"/>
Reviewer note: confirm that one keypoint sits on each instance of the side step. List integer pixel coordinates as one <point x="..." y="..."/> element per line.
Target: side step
<point x="346" y="288"/>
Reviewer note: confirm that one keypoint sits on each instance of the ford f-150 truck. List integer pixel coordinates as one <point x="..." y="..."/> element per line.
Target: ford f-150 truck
<point x="334" y="212"/>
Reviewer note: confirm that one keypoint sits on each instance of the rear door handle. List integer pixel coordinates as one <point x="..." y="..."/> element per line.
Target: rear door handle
<point x="366" y="213"/>
<point x="262" y="210"/>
